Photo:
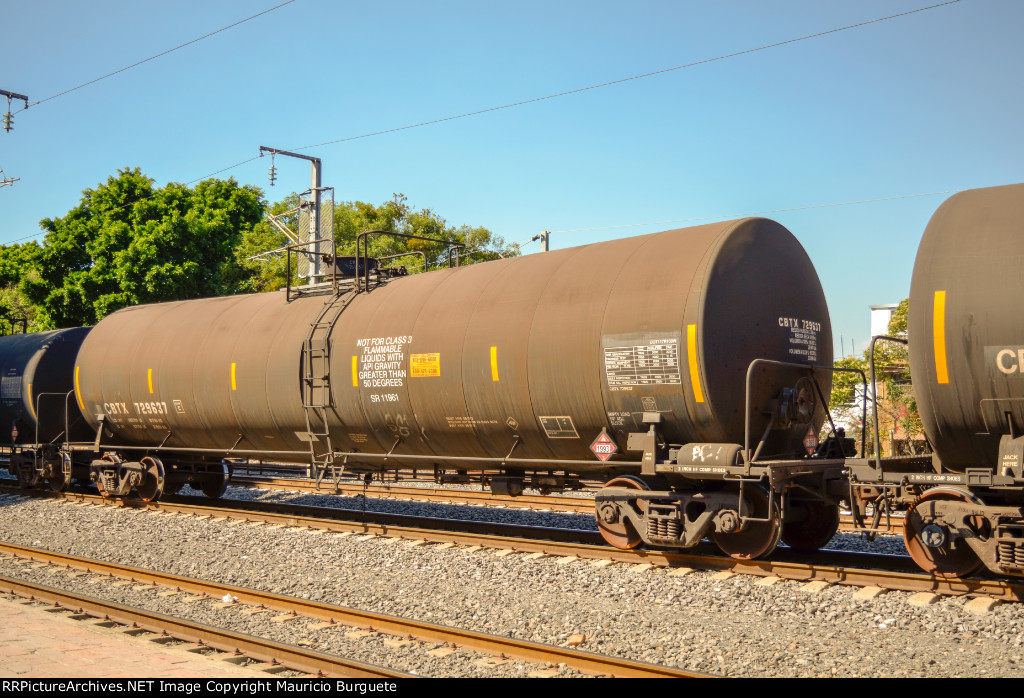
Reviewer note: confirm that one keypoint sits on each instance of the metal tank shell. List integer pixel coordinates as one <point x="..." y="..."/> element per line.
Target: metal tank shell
<point x="36" y="373"/>
<point x="531" y="356"/>
<point x="966" y="326"/>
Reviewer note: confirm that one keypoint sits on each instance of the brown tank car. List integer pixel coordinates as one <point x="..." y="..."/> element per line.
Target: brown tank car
<point x="689" y="370"/>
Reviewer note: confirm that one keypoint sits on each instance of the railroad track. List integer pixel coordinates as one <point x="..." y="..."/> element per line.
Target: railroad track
<point x="274" y="656"/>
<point x="444" y="495"/>
<point x="325" y="615"/>
<point x="830" y="567"/>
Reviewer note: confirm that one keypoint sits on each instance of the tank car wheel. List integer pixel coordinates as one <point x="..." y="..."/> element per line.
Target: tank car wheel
<point x="941" y="558"/>
<point x="215" y="488"/>
<point x="153" y="484"/>
<point x="172" y="488"/>
<point x="621" y="534"/>
<point x="809" y="524"/>
<point x="758" y="539"/>
<point x="60" y="481"/>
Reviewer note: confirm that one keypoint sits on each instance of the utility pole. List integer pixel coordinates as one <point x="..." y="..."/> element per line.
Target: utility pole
<point x="8" y="118"/>
<point x="543" y="237"/>
<point x="8" y="123"/>
<point x="314" y="217"/>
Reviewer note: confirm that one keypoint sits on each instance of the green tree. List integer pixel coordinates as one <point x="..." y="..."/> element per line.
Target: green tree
<point x="260" y="250"/>
<point x="128" y="243"/>
<point x="17" y="262"/>
<point x="896" y="403"/>
<point x="354" y="217"/>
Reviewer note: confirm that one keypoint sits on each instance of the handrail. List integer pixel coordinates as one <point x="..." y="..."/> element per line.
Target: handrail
<point x="67" y="422"/>
<point x="14" y="322"/>
<point x="874" y="400"/>
<point x="364" y="240"/>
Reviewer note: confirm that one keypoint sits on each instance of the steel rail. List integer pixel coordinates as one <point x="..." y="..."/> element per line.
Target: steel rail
<point x="329" y="519"/>
<point x="263" y="650"/>
<point x="575" y="505"/>
<point x="829" y="566"/>
<point x="586" y="662"/>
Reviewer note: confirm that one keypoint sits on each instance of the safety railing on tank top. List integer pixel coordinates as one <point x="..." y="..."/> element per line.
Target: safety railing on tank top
<point x="363" y="254"/>
<point x="364" y="264"/>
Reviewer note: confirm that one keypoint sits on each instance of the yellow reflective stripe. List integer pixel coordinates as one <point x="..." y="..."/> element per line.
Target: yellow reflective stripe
<point x="691" y="351"/>
<point x="494" y="364"/>
<point x="78" y="390"/>
<point x="939" y="338"/>
<point x="234" y="386"/>
<point x="149" y="379"/>
<point x="31" y="402"/>
<point x="355" y="371"/>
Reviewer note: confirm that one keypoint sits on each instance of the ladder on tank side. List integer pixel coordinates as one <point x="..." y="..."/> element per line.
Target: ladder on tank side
<point x="317" y="396"/>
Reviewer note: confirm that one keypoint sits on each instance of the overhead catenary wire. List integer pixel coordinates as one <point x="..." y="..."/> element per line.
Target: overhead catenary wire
<point x="619" y="81"/>
<point x="154" y="57"/>
<point x="512" y="104"/>
<point x="599" y="85"/>
<point x="697" y="219"/>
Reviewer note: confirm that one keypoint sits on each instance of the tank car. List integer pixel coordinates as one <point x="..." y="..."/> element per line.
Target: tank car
<point x="966" y="337"/>
<point x="36" y="404"/>
<point x="681" y="367"/>
<point x="629" y="360"/>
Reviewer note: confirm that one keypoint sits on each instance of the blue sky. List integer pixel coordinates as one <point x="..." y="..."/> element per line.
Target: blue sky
<point x="928" y="102"/>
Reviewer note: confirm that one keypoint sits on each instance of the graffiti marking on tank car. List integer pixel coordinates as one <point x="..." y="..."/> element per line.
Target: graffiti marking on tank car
<point x="382" y="364"/>
<point x="702" y="452"/>
<point x="397" y="425"/>
<point x="803" y="338"/>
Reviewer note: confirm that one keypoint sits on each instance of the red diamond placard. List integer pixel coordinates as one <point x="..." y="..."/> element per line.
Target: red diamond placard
<point x="603" y="447"/>
<point x="810" y="441"/>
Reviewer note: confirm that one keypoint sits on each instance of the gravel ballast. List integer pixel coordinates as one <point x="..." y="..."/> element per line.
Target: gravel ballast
<point x="699" y="622"/>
